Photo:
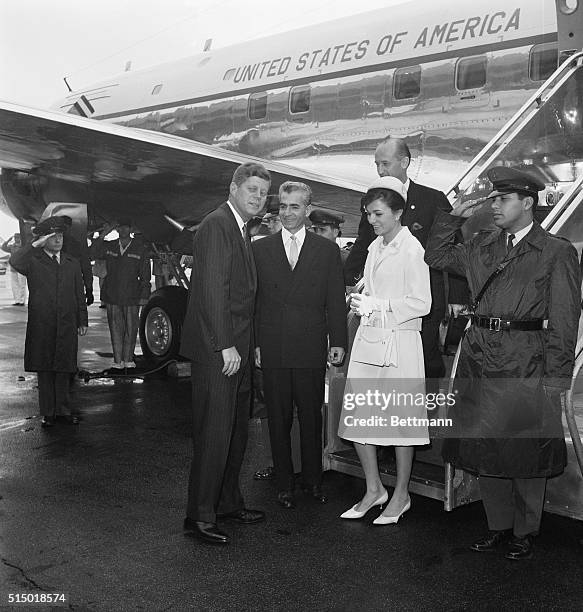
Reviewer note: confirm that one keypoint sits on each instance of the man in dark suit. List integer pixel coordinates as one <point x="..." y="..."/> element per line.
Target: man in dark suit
<point x="218" y="337"/>
<point x="392" y="158"/>
<point x="300" y="306"/>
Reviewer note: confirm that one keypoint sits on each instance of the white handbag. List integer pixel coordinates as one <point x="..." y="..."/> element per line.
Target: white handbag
<point x="371" y="344"/>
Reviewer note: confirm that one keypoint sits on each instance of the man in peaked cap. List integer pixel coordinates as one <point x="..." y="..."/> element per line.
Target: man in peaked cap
<point x="327" y="224"/>
<point x="516" y="358"/>
<point x="57" y="313"/>
<point x="271" y="219"/>
<point x="511" y="180"/>
<point x="52" y="225"/>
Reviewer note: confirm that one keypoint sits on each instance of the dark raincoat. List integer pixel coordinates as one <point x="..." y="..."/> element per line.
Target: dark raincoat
<point x="56" y="309"/>
<point x="504" y="424"/>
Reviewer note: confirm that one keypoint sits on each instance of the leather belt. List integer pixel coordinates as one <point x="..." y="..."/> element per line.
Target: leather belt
<point x="497" y="324"/>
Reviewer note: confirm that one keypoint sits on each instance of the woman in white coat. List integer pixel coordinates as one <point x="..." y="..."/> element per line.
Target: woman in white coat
<point x="387" y="352"/>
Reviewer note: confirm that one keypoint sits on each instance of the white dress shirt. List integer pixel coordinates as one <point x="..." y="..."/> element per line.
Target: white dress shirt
<point x="238" y="219"/>
<point x="286" y="237"/>
<point x="52" y="255"/>
<point x="520" y="234"/>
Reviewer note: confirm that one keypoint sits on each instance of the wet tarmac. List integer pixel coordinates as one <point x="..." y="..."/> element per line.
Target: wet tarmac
<point x="95" y="511"/>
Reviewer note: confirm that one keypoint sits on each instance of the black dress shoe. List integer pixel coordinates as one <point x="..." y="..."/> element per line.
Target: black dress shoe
<point x="316" y="493"/>
<point x="286" y="500"/>
<point x="47" y="421"/>
<point x="520" y="548"/>
<point x="206" y="532"/>
<point x="492" y="541"/>
<point x="264" y="473"/>
<point x="243" y="516"/>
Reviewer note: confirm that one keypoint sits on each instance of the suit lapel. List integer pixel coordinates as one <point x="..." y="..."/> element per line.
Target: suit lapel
<point x="305" y="260"/>
<point x="279" y="256"/>
<point x="245" y="251"/>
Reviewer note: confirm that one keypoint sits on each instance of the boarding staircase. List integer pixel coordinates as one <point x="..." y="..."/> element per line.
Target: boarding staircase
<point x="545" y="136"/>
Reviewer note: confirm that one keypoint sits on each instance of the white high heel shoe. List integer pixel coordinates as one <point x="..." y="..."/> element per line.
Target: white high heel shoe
<point x="387" y="520"/>
<point x="356" y="514"/>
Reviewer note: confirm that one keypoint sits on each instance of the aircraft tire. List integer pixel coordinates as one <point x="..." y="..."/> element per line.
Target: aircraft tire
<point x="161" y="324"/>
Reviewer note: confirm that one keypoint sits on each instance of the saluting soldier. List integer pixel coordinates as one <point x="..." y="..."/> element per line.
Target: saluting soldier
<point x="516" y="358"/>
<point x="57" y="313"/>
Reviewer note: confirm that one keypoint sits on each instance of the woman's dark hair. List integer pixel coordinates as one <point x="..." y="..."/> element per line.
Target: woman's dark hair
<point x="391" y="198"/>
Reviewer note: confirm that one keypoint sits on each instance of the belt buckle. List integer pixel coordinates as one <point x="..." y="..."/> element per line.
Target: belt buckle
<point x="494" y="324"/>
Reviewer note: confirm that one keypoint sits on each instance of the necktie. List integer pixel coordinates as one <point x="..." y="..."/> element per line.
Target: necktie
<point x="510" y="243"/>
<point x="246" y="237"/>
<point x="293" y="251"/>
<point x="55" y="259"/>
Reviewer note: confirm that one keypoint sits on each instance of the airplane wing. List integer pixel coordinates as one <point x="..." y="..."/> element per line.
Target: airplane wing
<point x="47" y="156"/>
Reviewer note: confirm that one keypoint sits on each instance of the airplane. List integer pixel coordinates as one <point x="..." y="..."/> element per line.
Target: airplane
<point x="160" y="144"/>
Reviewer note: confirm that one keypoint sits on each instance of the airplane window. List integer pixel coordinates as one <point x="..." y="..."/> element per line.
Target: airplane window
<point x="229" y="74"/>
<point x="257" y="108"/>
<point x="299" y="99"/>
<point x="471" y="73"/>
<point x="543" y="61"/>
<point x="407" y="82"/>
<point x="157" y="89"/>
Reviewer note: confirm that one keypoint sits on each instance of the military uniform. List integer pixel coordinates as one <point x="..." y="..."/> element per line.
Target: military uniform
<point x="56" y="310"/>
<point x="327" y="221"/>
<point x="515" y="358"/>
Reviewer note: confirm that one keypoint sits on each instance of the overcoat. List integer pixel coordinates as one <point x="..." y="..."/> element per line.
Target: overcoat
<point x="397" y="279"/>
<point x="505" y="424"/>
<point x="56" y="308"/>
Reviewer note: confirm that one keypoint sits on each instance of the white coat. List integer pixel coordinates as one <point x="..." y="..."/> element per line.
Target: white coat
<point x="397" y="280"/>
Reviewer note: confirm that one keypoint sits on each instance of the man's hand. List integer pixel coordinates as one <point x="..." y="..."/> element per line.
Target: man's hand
<point x="107" y="228"/>
<point x="455" y="310"/>
<point x="553" y="393"/>
<point x="257" y="356"/>
<point x="336" y="355"/>
<point x="356" y="303"/>
<point x="89" y="297"/>
<point x="466" y="208"/>
<point x="82" y="330"/>
<point x="41" y="241"/>
<point x="232" y="361"/>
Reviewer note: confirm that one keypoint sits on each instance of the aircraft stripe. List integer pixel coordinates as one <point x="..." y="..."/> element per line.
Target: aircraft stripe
<point x="403" y="63"/>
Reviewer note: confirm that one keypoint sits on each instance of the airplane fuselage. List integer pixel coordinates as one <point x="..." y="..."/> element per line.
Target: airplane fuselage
<point x="445" y="77"/>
